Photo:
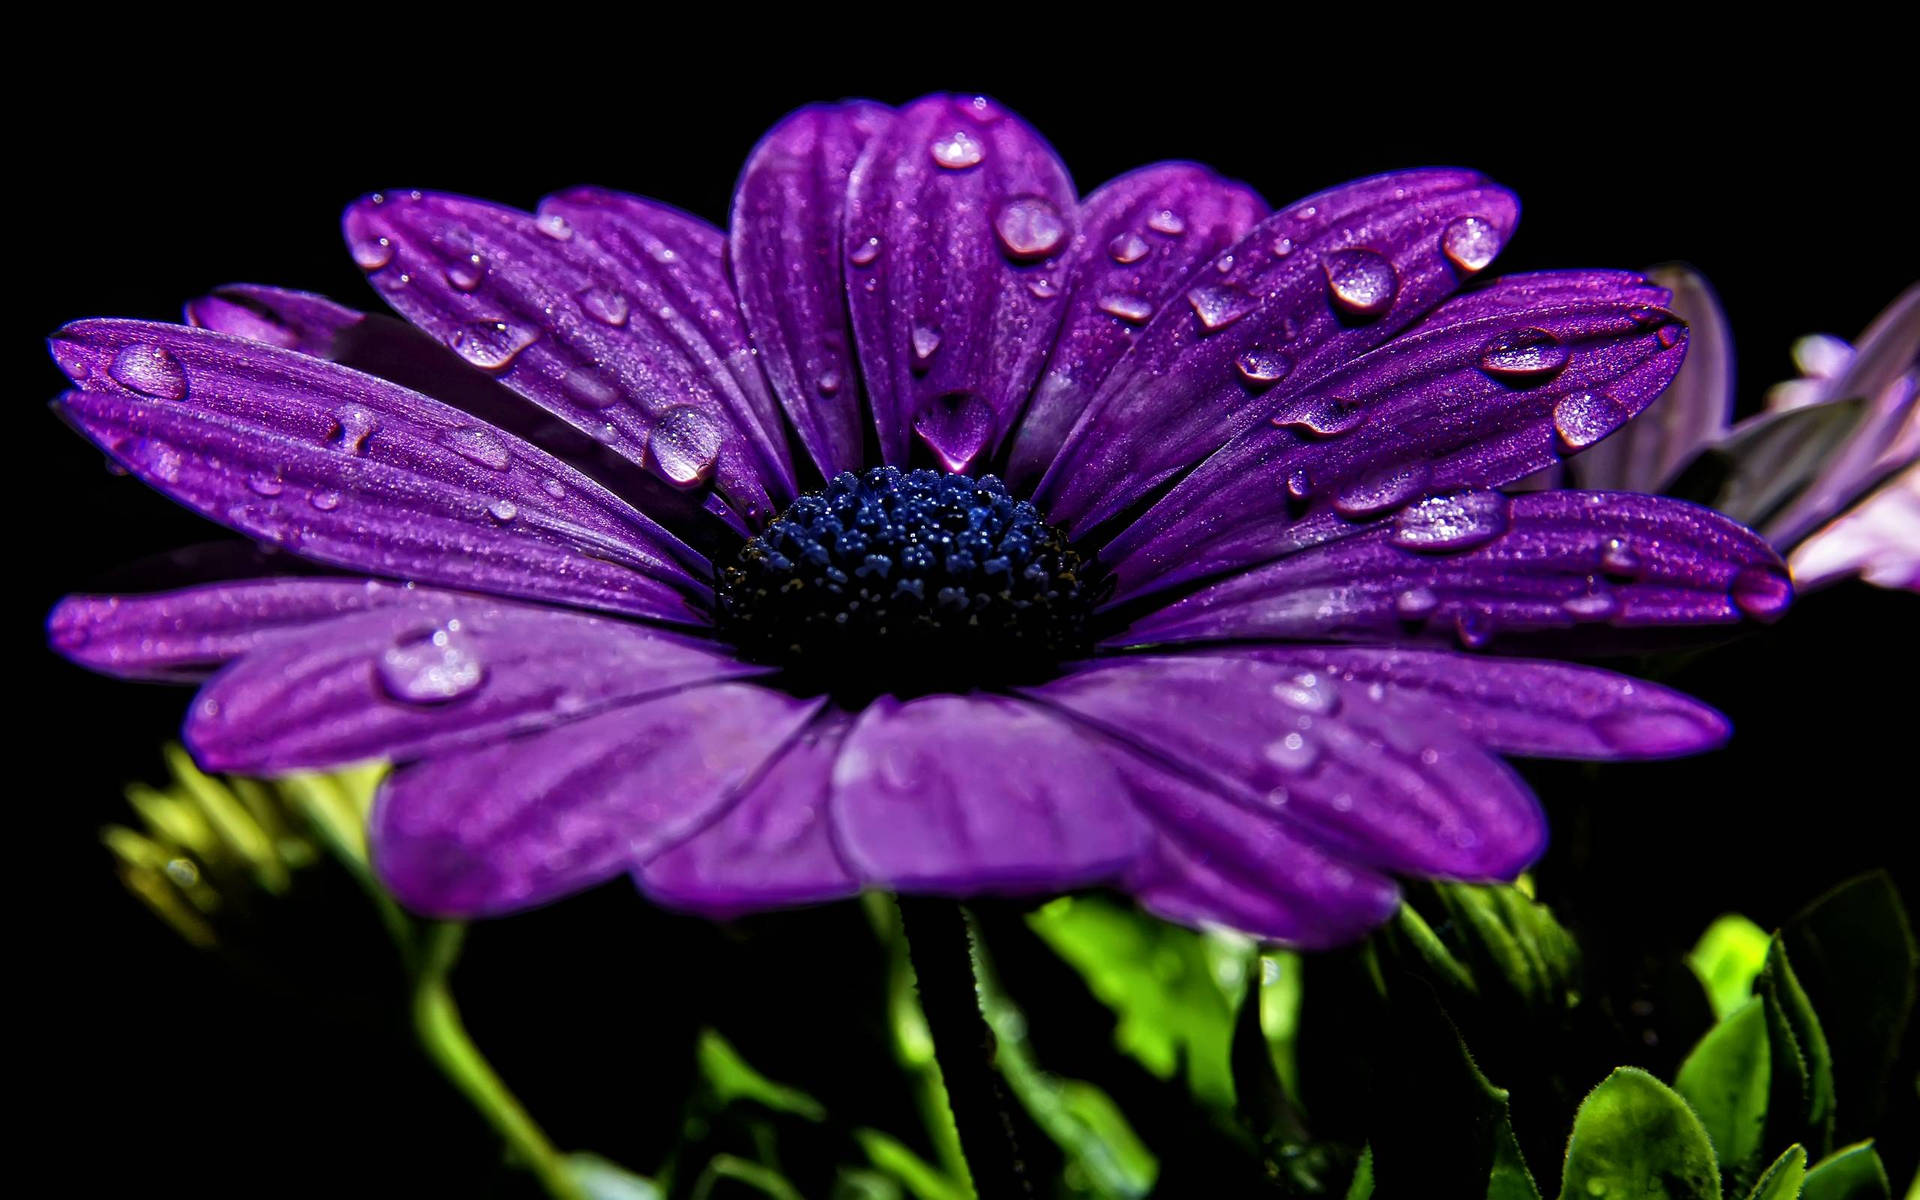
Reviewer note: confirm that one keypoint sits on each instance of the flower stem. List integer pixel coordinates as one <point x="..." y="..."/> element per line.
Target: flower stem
<point x="436" y="1020"/>
<point x="942" y="951"/>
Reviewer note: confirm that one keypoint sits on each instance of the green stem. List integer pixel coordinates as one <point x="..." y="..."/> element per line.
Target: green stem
<point x="436" y="1020"/>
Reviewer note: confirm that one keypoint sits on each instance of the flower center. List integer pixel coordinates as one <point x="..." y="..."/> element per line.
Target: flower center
<point x="907" y="581"/>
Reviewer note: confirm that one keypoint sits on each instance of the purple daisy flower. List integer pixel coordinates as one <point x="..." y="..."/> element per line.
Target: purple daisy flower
<point x="1246" y="631"/>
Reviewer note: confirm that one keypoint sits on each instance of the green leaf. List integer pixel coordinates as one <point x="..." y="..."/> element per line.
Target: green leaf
<point x="599" y="1179"/>
<point x="1725" y="1082"/>
<point x="1634" y="1136"/>
<point x="1728" y="958"/>
<point x="732" y="1078"/>
<point x="1362" y="1186"/>
<point x="1472" y="939"/>
<point x="1799" y="1049"/>
<point x="1783" y="1179"/>
<point x="1853" y="950"/>
<point x="1849" y="1173"/>
<point x="1174" y="991"/>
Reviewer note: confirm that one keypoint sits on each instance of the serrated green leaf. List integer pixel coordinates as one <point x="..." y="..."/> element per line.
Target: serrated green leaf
<point x="1853" y="951"/>
<point x="1794" y="1033"/>
<point x="1783" y="1179"/>
<point x="1728" y="958"/>
<point x="1725" y="1080"/>
<point x="1474" y="939"/>
<point x="1362" y="1186"/>
<point x="1849" y="1173"/>
<point x="1635" y="1137"/>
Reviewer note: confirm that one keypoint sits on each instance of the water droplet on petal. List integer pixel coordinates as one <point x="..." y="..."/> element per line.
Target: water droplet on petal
<point x="1381" y="490"/>
<point x="1445" y="524"/>
<point x="466" y="274"/>
<point x="160" y="460"/>
<point x="1583" y="418"/>
<point x="1128" y="248"/>
<point x="925" y="341"/>
<point x="479" y="445"/>
<point x="1042" y="288"/>
<point x="431" y="669"/>
<point x="685" y="444"/>
<point x="149" y="370"/>
<point x="1474" y="627"/>
<point x="325" y="501"/>
<point x="1361" y="281"/>
<point x="1263" y="367"/>
<point x="1292" y="753"/>
<point x="1619" y="559"/>
<point x="1324" y="416"/>
<point x="978" y="109"/>
<point x="503" y="510"/>
<point x="554" y="226"/>
<point x="491" y="345"/>
<point x="1300" y="484"/>
<point x="828" y="383"/>
<point x="1416" y="603"/>
<point x="1670" y="336"/>
<point x="1029" y="227"/>
<point x="1470" y="243"/>
<point x="1307" y="693"/>
<point x="556" y="489"/>
<point x="370" y="253"/>
<point x="265" y="483"/>
<point x="1218" y="306"/>
<point x="958" y="150"/>
<point x="863" y="251"/>
<point x="1595" y="604"/>
<point x="605" y="305"/>
<point x="1168" y="222"/>
<point x="1762" y="593"/>
<point x="353" y="424"/>
<point x="1128" y="308"/>
<point x="957" y="427"/>
<point x="1283" y="247"/>
<point x="1523" y="354"/>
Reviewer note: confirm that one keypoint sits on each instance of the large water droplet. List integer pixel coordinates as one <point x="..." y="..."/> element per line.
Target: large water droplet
<point x="1761" y="592"/>
<point x="353" y="424"/>
<point x="1132" y="309"/>
<point x="1218" y="306"/>
<point x="1323" y="416"/>
<point x="370" y="253"/>
<point x="1168" y="222"/>
<point x="491" y="345"/>
<point x="926" y="340"/>
<point x="466" y="274"/>
<point x="1263" y="367"/>
<point x="685" y="444"/>
<point x="1523" y="354"/>
<point x="605" y="305"/>
<point x="1444" y="524"/>
<point x="1583" y="418"/>
<point x="479" y="445"/>
<point x="149" y="370"/>
<point x="1029" y="227"/>
<point x="1128" y="248"/>
<point x="1470" y="243"/>
<point x="957" y="427"/>
<point x="431" y="669"/>
<point x="1382" y="490"/>
<point x="1361" y="282"/>
<point x="958" y="150"/>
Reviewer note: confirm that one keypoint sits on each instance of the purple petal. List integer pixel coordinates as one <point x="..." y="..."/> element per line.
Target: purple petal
<point x="772" y="846"/>
<point x="625" y="335"/>
<point x="978" y="793"/>
<point x="1141" y="236"/>
<point x="1489" y="388"/>
<point x="1215" y="862"/>
<point x="1474" y="566"/>
<point x="414" y="681"/>
<point x="787" y="260"/>
<point x="1685" y="419"/>
<point x="959" y="218"/>
<point x="1309" y="289"/>
<point x="515" y="823"/>
<point x="355" y="472"/>
<point x="1520" y="706"/>
<point x="1375" y="779"/>
<point x="1879" y="540"/>
<point x="290" y="320"/>
<point x="183" y="635"/>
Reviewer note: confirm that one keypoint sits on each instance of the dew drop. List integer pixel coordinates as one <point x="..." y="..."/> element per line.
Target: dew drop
<point x="828" y="383"/>
<point x="1029" y="227"/>
<point x="1306" y="693"/>
<point x="1324" y="416"/>
<point x="1474" y="627"/>
<point x="491" y="345"/>
<point x="1263" y="367"/>
<point x="479" y="445"/>
<point x="1416" y="603"/>
<point x="1583" y="418"/>
<point x="1595" y="604"/>
<point x="958" y="150"/>
<point x="685" y="443"/>
<point x="1283" y="247"/>
<point x="1361" y="282"/>
<point x="925" y="341"/>
<point x="433" y="669"/>
<point x="503" y="510"/>
<point x="1168" y="222"/>
<point x="1523" y="354"/>
<point x="1300" y="484"/>
<point x="325" y="501"/>
<point x="864" y="251"/>
<point x="1292" y="753"/>
<point x="1762" y="593"/>
<point x="1470" y="243"/>
<point x="605" y="305"/>
<point x="1218" y="306"/>
<point x="554" y="226"/>
<point x="466" y="274"/>
<point x="162" y="461"/>
<point x="149" y="370"/>
<point x="978" y="109"/>
<point x="371" y="253"/>
<point x="1382" y="490"/>
<point x="1444" y="524"/>
<point x="353" y="424"/>
<point x="1128" y="248"/>
<point x="1132" y="309"/>
<point x="1042" y="288"/>
<point x="265" y="483"/>
<point x="1619" y="559"/>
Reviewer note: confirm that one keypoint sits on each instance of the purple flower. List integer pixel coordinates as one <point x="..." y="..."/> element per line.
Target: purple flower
<point x="1203" y="644"/>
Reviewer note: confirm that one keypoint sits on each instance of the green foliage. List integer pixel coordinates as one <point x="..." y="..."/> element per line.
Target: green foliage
<point x="1636" y="1137"/>
<point x="1728" y="958"/>
<point x="1782" y="1180"/>
<point x="1488" y="941"/>
<point x="1800" y="1107"/>
<point x="1850" y="1173"/>
<point x="1725" y="1081"/>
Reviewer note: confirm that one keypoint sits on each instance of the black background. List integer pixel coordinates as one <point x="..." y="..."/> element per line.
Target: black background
<point x="284" y="1068"/>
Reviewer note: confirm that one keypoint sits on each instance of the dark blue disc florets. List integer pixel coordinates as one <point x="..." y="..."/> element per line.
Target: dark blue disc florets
<point x="907" y="578"/>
